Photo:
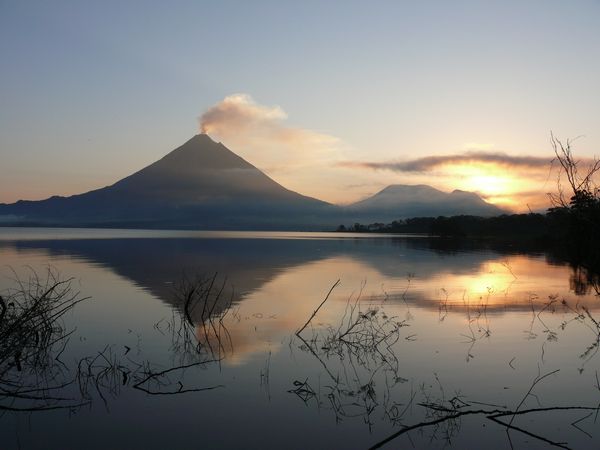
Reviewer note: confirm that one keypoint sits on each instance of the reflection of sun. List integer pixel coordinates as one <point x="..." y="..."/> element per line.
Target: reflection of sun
<point x="489" y="283"/>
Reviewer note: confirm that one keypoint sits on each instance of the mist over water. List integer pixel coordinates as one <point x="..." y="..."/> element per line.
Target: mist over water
<point x="415" y="324"/>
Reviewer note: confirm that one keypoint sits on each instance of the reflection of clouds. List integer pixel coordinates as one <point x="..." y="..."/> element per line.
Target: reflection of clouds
<point x="235" y="344"/>
<point x="267" y="317"/>
<point x="502" y="285"/>
<point x="278" y="283"/>
<point x="496" y="286"/>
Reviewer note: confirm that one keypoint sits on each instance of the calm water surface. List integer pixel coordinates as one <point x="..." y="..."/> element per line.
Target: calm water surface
<point x="416" y="327"/>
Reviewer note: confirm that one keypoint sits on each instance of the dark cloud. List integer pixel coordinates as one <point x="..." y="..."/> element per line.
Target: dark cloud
<point x="431" y="162"/>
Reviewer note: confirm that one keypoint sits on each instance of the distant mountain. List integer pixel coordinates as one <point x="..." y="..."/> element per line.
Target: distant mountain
<point x="401" y="201"/>
<point x="201" y="184"/>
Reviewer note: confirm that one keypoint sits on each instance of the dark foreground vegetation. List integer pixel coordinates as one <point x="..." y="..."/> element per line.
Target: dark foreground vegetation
<point x="32" y="340"/>
<point x="38" y="372"/>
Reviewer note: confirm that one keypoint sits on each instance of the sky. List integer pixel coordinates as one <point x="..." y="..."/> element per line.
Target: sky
<point x="332" y="99"/>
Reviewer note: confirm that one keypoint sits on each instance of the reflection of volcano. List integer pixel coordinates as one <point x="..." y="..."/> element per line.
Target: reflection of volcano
<point x="156" y="264"/>
<point x="277" y="283"/>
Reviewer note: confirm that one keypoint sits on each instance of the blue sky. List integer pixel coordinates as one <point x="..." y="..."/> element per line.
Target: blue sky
<point x="92" y="91"/>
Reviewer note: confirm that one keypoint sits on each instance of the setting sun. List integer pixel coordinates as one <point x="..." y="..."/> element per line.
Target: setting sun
<point x="489" y="180"/>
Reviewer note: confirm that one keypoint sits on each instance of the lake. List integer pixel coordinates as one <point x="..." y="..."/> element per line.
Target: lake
<point x="188" y="340"/>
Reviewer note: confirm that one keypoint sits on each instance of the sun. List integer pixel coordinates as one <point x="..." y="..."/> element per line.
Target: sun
<point x="488" y="184"/>
<point x="488" y="180"/>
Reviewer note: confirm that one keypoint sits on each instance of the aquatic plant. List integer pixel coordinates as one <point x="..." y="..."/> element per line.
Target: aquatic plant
<point x="32" y="340"/>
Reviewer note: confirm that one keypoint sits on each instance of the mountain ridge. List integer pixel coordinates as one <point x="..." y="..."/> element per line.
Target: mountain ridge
<point x="399" y="201"/>
<point x="203" y="184"/>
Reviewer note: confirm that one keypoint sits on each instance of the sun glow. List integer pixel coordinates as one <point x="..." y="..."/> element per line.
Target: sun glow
<point x="488" y="184"/>
<point x="492" y="182"/>
<point x="490" y="285"/>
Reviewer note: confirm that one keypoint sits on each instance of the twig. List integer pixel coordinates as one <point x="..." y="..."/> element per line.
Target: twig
<point x="317" y="310"/>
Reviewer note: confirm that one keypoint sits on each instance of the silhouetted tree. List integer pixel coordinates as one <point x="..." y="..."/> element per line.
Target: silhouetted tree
<point x="576" y="212"/>
<point x="583" y="190"/>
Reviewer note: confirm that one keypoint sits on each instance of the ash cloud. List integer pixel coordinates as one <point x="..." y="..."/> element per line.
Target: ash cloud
<point x="240" y="119"/>
<point x="238" y="112"/>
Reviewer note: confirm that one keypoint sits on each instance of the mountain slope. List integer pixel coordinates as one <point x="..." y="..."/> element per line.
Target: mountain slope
<point x="202" y="171"/>
<point x="402" y="201"/>
<point x="201" y="184"/>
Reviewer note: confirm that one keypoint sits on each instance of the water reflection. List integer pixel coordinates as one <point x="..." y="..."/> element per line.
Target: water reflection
<point x="413" y="321"/>
<point x="273" y="283"/>
<point x="154" y="264"/>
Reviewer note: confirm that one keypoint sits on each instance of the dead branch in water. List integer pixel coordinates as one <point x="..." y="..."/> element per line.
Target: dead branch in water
<point x="360" y="345"/>
<point x="438" y="413"/>
<point x="318" y="308"/>
<point x="155" y="376"/>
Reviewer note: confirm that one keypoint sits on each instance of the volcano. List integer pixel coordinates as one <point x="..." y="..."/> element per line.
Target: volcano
<point x="400" y="201"/>
<point x="201" y="184"/>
